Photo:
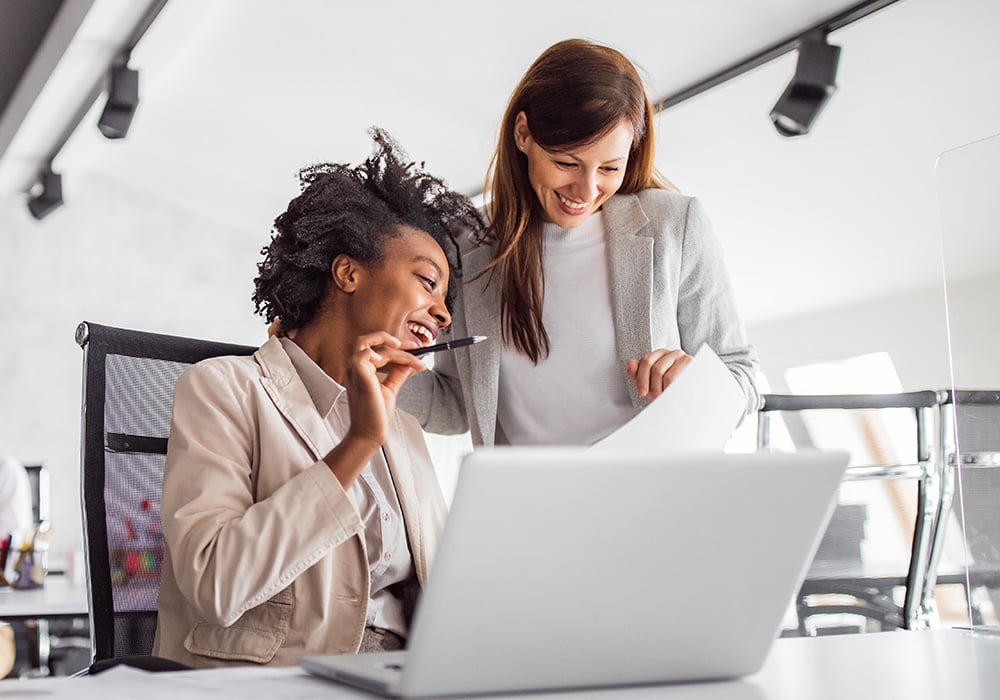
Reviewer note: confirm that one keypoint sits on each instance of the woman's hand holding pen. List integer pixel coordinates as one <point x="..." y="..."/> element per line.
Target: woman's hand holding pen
<point x="375" y="373"/>
<point x="656" y="369"/>
<point x="376" y="370"/>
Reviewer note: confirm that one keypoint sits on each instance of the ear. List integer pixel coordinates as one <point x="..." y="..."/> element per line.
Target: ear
<point x="345" y="272"/>
<point x="521" y="131"/>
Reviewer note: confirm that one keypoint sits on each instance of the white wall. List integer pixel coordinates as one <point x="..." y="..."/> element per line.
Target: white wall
<point x="911" y="327"/>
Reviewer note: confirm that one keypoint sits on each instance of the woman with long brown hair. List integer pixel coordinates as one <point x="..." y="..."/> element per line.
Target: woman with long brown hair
<point x="595" y="279"/>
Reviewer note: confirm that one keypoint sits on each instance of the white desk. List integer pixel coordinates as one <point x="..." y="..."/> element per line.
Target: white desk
<point x="935" y="665"/>
<point x="57" y="598"/>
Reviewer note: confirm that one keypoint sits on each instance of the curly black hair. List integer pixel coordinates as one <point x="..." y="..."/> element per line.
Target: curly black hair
<point x="353" y="210"/>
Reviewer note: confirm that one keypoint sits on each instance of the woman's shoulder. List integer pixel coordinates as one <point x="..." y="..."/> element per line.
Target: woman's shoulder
<point x="651" y="209"/>
<point x="657" y="199"/>
<point x="223" y="369"/>
<point x="471" y="239"/>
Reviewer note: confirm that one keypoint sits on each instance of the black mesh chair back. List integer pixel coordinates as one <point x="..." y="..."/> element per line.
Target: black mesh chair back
<point x="973" y="457"/>
<point x="128" y="384"/>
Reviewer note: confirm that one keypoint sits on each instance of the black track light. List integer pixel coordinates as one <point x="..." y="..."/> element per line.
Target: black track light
<point x="123" y="97"/>
<point x="48" y="194"/>
<point x="810" y="89"/>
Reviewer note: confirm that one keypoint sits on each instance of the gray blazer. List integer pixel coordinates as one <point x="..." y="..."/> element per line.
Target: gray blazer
<point x="670" y="289"/>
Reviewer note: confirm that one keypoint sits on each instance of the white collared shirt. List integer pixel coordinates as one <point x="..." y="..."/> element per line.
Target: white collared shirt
<point x="373" y="494"/>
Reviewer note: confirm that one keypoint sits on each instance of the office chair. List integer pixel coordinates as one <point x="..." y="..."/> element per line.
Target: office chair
<point x="128" y="382"/>
<point x="971" y="500"/>
<point x="839" y="582"/>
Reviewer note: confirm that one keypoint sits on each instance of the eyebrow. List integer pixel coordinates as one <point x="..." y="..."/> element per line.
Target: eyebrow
<point x="424" y="258"/>
<point x="575" y="157"/>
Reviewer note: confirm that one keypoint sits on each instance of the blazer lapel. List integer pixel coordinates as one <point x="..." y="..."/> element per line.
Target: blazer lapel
<point x="630" y="253"/>
<point x="290" y="397"/>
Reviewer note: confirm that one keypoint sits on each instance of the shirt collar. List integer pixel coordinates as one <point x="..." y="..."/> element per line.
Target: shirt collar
<point x="323" y="390"/>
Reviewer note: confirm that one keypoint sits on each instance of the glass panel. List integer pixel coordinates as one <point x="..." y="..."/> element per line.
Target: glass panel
<point x="967" y="178"/>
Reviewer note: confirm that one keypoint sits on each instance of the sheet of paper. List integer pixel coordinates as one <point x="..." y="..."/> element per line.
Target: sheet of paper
<point x="697" y="412"/>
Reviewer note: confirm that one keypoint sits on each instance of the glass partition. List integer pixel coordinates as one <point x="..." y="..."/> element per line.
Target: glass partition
<point x="968" y="546"/>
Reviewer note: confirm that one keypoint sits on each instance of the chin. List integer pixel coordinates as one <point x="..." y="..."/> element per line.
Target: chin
<point x="565" y="220"/>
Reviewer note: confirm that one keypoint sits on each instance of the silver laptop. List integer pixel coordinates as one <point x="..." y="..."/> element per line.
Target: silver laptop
<point x="566" y="568"/>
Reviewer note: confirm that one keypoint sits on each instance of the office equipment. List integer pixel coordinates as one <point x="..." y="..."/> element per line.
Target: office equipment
<point x="970" y="501"/>
<point x="841" y="584"/>
<point x="129" y="377"/>
<point x="44" y="620"/>
<point x="568" y="568"/>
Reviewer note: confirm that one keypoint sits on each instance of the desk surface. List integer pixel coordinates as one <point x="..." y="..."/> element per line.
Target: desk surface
<point x="882" y="666"/>
<point x="57" y="598"/>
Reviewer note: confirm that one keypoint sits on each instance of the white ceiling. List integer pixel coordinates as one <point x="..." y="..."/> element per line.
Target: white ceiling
<point x="236" y="95"/>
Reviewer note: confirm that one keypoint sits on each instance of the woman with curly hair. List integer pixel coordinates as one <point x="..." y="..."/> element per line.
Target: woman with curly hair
<point x="300" y="508"/>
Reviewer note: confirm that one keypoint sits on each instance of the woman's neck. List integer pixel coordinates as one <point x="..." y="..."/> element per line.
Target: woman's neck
<point x="326" y="347"/>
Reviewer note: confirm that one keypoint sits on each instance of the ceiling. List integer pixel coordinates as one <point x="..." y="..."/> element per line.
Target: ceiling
<point x="236" y="95"/>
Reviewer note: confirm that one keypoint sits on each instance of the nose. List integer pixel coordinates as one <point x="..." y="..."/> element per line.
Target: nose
<point x="587" y="186"/>
<point x="440" y="313"/>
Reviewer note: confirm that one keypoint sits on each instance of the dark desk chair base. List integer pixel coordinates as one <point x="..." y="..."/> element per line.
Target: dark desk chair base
<point x="146" y="663"/>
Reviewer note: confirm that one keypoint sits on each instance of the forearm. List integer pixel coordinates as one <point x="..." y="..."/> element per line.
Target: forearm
<point x="229" y="557"/>
<point x="348" y="459"/>
<point x="707" y="307"/>
<point x="231" y="548"/>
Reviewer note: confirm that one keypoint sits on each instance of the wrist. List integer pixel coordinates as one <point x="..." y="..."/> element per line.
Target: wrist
<point x="349" y="457"/>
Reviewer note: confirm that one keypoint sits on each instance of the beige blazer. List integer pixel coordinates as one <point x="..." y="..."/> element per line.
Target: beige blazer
<point x="265" y="555"/>
<point x="669" y="287"/>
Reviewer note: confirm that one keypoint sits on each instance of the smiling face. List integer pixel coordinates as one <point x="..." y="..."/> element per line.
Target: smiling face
<point x="404" y="294"/>
<point x="573" y="184"/>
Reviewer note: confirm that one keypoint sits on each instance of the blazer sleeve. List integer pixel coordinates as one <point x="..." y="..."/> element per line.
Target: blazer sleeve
<point x="706" y="307"/>
<point x="435" y="397"/>
<point x="230" y="552"/>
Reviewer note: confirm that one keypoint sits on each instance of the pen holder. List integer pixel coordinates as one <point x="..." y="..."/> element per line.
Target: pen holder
<point x="30" y="568"/>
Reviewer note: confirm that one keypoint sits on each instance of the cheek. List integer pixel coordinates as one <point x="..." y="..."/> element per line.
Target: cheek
<point x="612" y="185"/>
<point x="542" y="177"/>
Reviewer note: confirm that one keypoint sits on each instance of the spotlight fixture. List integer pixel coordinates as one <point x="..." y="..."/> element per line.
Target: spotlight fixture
<point x="123" y="96"/>
<point x="811" y="87"/>
<point x="48" y="196"/>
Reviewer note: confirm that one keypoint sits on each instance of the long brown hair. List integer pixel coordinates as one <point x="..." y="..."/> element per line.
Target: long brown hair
<point x="574" y="93"/>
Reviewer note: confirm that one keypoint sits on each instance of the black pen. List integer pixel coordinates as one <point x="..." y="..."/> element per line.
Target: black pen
<point x="448" y="345"/>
